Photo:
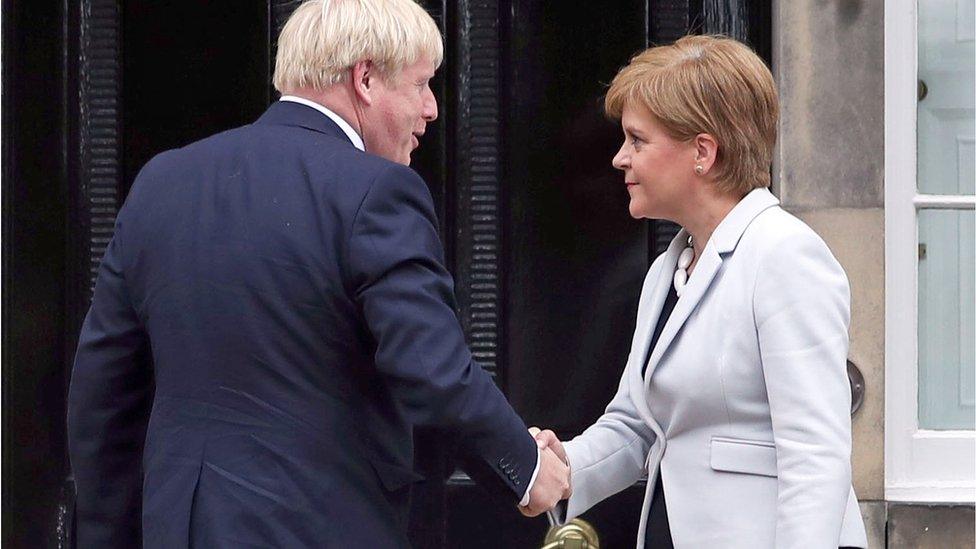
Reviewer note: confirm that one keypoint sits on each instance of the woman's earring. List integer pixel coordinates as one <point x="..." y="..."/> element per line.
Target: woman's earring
<point x="699" y="169"/>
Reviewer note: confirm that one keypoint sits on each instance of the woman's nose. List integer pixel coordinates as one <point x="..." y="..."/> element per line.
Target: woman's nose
<point x="621" y="160"/>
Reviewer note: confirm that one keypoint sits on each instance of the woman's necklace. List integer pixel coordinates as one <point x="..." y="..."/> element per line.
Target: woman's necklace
<point x="684" y="261"/>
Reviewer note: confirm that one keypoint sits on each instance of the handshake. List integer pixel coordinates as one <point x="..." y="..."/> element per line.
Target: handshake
<point x="552" y="484"/>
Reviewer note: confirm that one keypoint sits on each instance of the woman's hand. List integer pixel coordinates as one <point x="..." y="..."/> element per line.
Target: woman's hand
<point x="551" y="486"/>
<point x="548" y="439"/>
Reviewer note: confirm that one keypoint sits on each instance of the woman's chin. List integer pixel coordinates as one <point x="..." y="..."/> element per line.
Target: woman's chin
<point x="637" y="211"/>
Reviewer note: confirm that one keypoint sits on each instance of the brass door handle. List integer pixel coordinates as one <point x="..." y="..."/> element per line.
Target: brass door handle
<point x="575" y="534"/>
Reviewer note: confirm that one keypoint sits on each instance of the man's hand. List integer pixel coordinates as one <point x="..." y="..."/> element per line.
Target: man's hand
<point x="553" y="481"/>
<point x="551" y="485"/>
<point x="548" y="439"/>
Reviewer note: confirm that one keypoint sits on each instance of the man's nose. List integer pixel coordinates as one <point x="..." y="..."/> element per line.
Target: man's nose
<point x="430" y="107"/>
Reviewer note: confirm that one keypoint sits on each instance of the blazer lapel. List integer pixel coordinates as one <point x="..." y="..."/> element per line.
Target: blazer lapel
<point x="723" y="241"/>
<point x="701" y="279"/>
<point x="652" y="302"/>
<point x="655" y="301"/>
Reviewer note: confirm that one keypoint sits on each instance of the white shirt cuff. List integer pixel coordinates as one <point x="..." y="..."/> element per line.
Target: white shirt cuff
<point x="528" y="489"/>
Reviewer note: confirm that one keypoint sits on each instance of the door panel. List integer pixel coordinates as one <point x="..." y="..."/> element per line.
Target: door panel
<point x="34" y="266"/>
<point x="189" y="70"/>
<point x="947" y="81"/>
<point x="576" y="259"/>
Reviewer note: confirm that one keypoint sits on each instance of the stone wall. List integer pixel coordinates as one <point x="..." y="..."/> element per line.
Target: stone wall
<point x="828" y="59"/>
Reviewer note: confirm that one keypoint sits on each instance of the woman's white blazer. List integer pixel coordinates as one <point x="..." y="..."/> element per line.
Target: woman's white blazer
<point x="745" y="406"/>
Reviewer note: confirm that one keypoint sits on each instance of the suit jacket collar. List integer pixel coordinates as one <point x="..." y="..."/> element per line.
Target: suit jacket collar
<point x="723" y="241"/>
<point x="288" y="113"/>
<point x="726" y="236"/>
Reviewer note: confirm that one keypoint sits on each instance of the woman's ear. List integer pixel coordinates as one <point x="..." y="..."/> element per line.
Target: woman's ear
<point x="363" y="80"/>
<point x="706" y="152"/>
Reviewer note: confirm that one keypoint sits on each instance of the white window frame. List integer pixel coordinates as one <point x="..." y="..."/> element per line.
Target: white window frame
<point x="920" y="465"/>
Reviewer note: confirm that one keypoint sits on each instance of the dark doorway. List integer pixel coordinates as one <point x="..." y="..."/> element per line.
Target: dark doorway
<point x="189" y="70"/>
<point x="548" y="263"/>
<point x="35" y="210"/>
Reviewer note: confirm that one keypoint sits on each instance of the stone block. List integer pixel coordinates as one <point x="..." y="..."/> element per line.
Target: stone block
<point x="875" y="514"/>
<point x="930" y="526"/>
<point x="828" y="60"/>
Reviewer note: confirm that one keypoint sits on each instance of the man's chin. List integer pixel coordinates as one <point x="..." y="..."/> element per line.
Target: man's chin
<point x="406" y="158"/>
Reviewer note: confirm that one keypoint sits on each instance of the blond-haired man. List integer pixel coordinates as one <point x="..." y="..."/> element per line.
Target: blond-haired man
<point x="287" y="280"/>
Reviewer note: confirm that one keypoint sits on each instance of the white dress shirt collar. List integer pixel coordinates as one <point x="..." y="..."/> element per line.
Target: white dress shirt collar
<point x="357" y="141"/>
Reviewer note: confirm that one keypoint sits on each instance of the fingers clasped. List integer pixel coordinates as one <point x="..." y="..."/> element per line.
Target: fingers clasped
<point x="552" y="484"/>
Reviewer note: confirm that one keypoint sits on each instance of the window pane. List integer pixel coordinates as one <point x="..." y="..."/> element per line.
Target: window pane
<point x="946" y="337"/>
<point x="947" y="67"/>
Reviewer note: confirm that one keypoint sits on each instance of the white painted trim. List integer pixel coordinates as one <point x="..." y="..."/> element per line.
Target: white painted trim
<point x="920" y="465"/>
<point x="944" y="202"/>
<point x="931" y="494"/>
<point x="944" y="435"/>
<point x="900" y="225"/>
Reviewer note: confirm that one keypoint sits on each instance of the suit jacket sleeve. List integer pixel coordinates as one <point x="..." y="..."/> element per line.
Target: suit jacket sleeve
<point x="406" y="296"/>
<point x="111" y="386"/>
<point x="802" y="311"/>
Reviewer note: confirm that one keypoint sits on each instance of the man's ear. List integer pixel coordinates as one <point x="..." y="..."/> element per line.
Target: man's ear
<point x="363" y="76"/>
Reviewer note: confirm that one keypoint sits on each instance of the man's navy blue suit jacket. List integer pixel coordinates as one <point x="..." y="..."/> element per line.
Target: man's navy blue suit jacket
<point x="270" y="321"/>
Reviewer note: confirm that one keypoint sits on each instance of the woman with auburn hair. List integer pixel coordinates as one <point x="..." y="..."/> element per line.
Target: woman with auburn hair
<point x="735" y="398"/>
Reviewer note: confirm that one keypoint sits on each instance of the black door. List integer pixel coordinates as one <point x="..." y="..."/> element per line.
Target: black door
<point x="548" y="263"/>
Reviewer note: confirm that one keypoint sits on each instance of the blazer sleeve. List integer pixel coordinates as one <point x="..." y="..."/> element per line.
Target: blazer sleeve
<point x="802" y="310"/>
<point x="610" y="455"/>
<point x="108" y="401"/>
<point x="406" y="295"/>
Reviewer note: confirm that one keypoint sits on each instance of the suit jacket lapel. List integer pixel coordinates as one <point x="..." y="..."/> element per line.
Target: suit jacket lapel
<point x="652" y="303"/>
<point x="723" y="241"/>
<point x="652" y="300"/>
<point x="701" y="279"/>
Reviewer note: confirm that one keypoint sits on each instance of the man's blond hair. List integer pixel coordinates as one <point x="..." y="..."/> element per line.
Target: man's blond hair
<point x="713" y="85"/>
<point x="324" y="38"/>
